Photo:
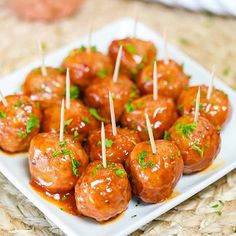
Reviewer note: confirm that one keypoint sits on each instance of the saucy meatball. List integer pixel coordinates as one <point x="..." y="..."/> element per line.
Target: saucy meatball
<point x="86" y="64"/>
<point x="117" y="147"/>
<point x="199" y="142"/>
<point x="171" y="79"/>
<point x="216" y="109"/>
<point x="96" y="95"/>
<point x="136" y="54"/>
<point x="154" y="176"/>
<point x="56" y="166"/>
<point x="103" y="193"/>
<point x="78" y="120"/>
<point x="48" y="89"/>
<point x="162" y="114"/>
<point x="19" y="123"/>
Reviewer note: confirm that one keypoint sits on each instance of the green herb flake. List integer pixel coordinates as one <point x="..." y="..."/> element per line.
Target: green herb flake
<point x="64" y="197"/>
<point x="147" y="79"/>
<point x="61" y="70"/>
<point x="22" y="134"/>
<point x="86" y="119"/>
<point x="131" y="49"/>
<point x="185" y="129"/>
<point x="99" y="166"/>
<point x="196" y="147"/>
<point x="180" y="107"/>
<point x="63" y="143"/>
<point x="120" y="172"/>
<point x="141" y="158"/>
<point x="172" y="156"/>
<point x="56" y="153"/>
<point x="75" y="166"/>
<point x="75" y="135"/>
<point x="166" y="135"/>
<point x="207" y="145"/>
<point x="94" y="172"/>
<point x="179" y="153"/>
<point x="82" y="48"/>
<point x="93" y="49"/>
<point x="68" y="122"/>
<point x="74" y="92"/>
<point x="129" y="107"/>
<point x="218" y="128"/>
<point x="19" y="104"/>
<point x="36" y="71"/>
<point x="102" y="73"/>
<point x="108" y="143"/>
<point x="2" y="115"/>
<point x="31" y="123"/>
<point x="94" y="113"/>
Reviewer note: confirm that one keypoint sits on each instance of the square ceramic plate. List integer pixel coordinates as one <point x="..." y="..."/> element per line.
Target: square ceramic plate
<point x="16" y="169"/>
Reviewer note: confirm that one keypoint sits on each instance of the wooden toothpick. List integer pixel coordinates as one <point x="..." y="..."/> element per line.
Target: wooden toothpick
<point x="196" y="113"/>
<point x="62" y="122"/>
<point x="150" y="134"/>
<point x="166" y="55"/>
<point x="67" y="89"/>
<point x="112" y="111"/>
<point x="3" y="99"/>
<point x="155" y="82"/>
<point x="117" y="66"/>
<point x="210" y="87"/>
<point x="41" y="53"/>
<point x="103" y="139"/>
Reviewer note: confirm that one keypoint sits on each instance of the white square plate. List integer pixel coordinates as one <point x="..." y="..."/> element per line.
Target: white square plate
<point x="16" y="169"/>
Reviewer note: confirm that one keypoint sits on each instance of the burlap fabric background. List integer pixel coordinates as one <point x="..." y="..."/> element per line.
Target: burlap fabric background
<point x="208" y="39"/>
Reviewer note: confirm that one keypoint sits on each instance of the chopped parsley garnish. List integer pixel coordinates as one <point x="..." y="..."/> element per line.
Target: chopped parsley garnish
<point x="64" y="197"/>
<point x="102" y="73"/>
<point x="31" y="123"/>
<point x="74" y="92"/>
<point x="3" y="114"/>
<point x="93" y="48"/>
<point x="86" y="119"/>
<point x="68" y="122"/>
<point x="108" y="143"/>
<point x="61" y="70"/>
<point x="129" y="107"/>
<point x="82" y="48"/>
<point x="179" y="153"/>
<point x="36" y="71"/>
<point x="119" y="172"/>
<point x="218" y="128"/>
<point x="185" y="129"/>
<point x="146" y="79"/>
<point x="94" y="113"/>
<point x="141" y="159"/>
<point x="207" y="145"/>
<point x="19" y="104"/>
<point x="65" y="151"/>
<point x="75" y="166"/>
<point x="75" y="135"/>
<point x="172" y="156"/>
<point x="130" y="48"/>
<point x="166" y="135"/>
<point x="56" y="153"/>
<point x="63" y="143"/>
<point x="180" y="107"/>
<point x="22" y="134"/>
<point x="196" y="147"/>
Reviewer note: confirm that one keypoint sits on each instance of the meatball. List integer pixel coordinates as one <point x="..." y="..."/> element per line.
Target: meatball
<point x="48" y="89"/>
<point x="171" y="79"/>
<point x="96" y="95"/>
<point x="162" y="113"/>
<point x="85" y="64"/>
<point x="117" y="147"/>
<point x="103" y="193"/>
<point x="216" y="109"/>
<point x="78" y="120"/>
<point x="198" y="142"/>
<point x="56" y="166"/>
<point x="136" y="54"/>
<point x="19" y="123"/>
<point x="154" y="176"/>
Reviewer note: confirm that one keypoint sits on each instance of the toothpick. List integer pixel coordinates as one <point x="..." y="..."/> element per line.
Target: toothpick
<point x="117" y="66"/>
<point x="196" y="113"/>
<point x="41" y="53"/>
<point x="104" y="161"/>
<point x="166" y="55"/>
<point x="90" y="36"/>
<point x="150" y="134"/>
<point x="155" y="82"/>
<point x="67" y="89"/>
<point x="113" y="119"/>
<point x="62" y="122"/>
<point x="210" y="87"/>
<point x="3" y="99"/>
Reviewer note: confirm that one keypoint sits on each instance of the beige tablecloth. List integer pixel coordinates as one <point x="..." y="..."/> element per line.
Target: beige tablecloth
<point x="208" y="39"/>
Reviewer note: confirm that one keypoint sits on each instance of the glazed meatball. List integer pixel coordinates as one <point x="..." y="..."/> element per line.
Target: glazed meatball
<point x="56" y="166"/>
<point x="162" y="113"/>
<point x="19" y="123"/>
<point x="103" y="193"/>
<point x="96" y="95"/>
<point x="86" y="64"/>
<point x="198" y="142"/>
<point x="136" y="54"/>
<point x="48" y="89"/>
<point x="117" y="147"/>
<point x="154" y="176"/>
<point x="171" y="79"/>
<point x="216" y="109"/>
<point x="78" y="120"/>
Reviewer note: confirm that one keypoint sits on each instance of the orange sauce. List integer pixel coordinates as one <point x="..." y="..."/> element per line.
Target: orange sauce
<point x="65" y="201"/>
<point x="213" y="167"/>
<point x="172" y="196"/>
<point x="113" y="220"/>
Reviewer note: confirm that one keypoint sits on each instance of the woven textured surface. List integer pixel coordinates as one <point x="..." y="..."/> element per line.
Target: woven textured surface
<point x="208" y="39"/>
